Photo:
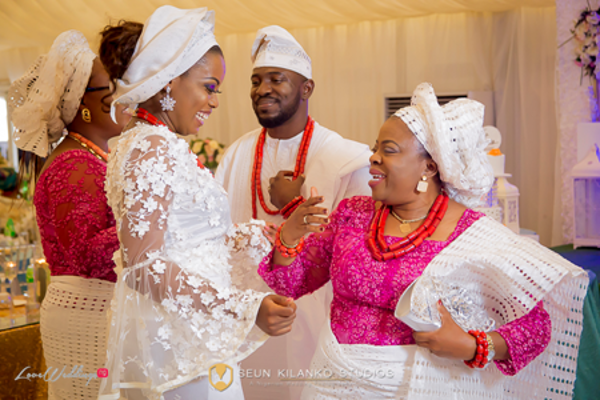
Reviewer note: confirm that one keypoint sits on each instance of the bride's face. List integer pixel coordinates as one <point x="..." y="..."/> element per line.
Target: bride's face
<point x="195" y="93"/>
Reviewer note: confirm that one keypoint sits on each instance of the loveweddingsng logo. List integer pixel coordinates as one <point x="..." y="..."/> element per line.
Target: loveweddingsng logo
<point x="53" y="374"/>
<point x="220" y="370"/>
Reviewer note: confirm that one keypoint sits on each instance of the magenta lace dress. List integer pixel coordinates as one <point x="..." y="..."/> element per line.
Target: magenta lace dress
<point x="79" y="238"/>
<point x="76" y="224"/>
<point x="366" y="291"/>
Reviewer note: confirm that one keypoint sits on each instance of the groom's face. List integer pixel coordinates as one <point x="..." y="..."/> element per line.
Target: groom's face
<point x="276" y="95"/>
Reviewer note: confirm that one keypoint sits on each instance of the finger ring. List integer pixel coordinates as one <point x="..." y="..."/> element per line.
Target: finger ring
<point x="305" y="220"/>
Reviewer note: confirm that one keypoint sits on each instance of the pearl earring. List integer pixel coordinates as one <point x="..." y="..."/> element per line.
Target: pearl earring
<point x="423" y="184"/>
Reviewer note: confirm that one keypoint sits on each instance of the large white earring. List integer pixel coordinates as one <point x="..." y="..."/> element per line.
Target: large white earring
<point x="167" y="103"/>
<point x="423" y="184"/>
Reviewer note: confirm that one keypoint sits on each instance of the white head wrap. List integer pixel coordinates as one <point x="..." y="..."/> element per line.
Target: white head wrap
<point x="280" y="50"/>
<point x="454" y="137"/>
<point x="46" y="99"/>
<point x="172" y="41"/>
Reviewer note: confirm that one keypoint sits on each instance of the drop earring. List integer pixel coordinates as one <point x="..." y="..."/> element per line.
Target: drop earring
<point x="86" y="115"/>
<point x="167" y="103"/>
<point x="422" y="185"/>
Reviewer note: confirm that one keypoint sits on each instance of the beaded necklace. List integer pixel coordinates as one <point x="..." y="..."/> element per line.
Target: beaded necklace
<point x="381" y="251"/>
<point x="89" y="146"/>
<point x="146" y="116"/>
<point x="258" y="160"/>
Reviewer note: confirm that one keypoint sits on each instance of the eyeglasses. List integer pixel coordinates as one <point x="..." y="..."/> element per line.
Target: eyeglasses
<point x="96" y="89"/>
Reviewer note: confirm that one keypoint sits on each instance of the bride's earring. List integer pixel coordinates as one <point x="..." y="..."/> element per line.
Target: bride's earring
<point x="167" y="103"/>
<point x="423" y="184"/>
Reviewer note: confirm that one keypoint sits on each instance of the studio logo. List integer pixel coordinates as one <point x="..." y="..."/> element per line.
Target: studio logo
<point x="220" y="371"/>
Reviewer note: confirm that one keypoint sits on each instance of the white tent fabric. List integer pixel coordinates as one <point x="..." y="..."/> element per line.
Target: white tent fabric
<point x="29" y="23"/>
<point x="362" y="50"/>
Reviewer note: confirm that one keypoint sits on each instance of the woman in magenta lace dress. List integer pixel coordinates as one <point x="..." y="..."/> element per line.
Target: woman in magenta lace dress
<point x="482" y="293"/>
<point x="69" y="89"/>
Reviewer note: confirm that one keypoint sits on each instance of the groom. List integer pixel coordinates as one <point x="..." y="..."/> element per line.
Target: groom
<point x="268" y="172"/>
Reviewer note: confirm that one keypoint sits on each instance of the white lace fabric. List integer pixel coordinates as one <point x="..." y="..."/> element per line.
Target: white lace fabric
<point x="175" y="310"/>
<point x="247" y="247"/>
<point x="506" y="276"/>
<point x="74" y="330"/>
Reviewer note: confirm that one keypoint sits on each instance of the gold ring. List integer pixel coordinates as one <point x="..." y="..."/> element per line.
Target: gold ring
<point x="305" y="221"/>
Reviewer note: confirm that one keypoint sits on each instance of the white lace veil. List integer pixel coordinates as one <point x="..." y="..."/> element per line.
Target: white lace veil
<point x="453" y="135"/>
<point x="46" y="99"/>
<point x="172" y="41"/>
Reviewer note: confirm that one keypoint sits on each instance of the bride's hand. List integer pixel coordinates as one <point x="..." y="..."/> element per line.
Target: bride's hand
<point x="269" y="231"/>
<point x="449" y="341"/>
<point x="276" y="315"/>
<point x="308" y="217"/>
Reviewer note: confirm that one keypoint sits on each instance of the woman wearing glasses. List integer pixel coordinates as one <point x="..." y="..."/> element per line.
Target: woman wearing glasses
<point x="66" y="95"/>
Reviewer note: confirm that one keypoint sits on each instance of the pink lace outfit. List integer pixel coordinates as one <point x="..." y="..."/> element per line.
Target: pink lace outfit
<point x="365" y="291"/>
<point x="76" y="224"/>
<point x="78" y="233"/>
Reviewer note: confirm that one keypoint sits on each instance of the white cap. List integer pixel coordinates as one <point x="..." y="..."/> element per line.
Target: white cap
<point x="276" y="47"/>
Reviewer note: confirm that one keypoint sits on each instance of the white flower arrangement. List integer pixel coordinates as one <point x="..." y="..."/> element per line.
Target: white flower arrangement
<point x="586" y="32"/>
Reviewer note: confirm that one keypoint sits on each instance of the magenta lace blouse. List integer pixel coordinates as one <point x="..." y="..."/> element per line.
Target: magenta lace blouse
<point x="366" y="291"/>
<point x="76" y="224"/>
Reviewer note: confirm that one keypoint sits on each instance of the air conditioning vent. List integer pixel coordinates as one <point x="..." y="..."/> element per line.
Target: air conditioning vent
<point x="396" y="101"/>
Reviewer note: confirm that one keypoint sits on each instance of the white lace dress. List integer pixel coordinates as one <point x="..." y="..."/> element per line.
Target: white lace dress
<point x="175" y="311"/>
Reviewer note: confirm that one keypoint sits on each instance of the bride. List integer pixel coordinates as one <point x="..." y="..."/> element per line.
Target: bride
<point x="176" y="312"/>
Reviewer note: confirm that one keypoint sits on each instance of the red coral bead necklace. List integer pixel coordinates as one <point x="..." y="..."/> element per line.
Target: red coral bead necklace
<point x="257" y="191"/>
<point x="381" y="251"/>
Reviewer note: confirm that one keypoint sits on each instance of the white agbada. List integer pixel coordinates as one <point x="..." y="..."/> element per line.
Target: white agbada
<point x="338" y="168"/>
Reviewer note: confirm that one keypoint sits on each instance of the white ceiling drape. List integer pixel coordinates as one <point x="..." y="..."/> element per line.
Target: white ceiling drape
<point x="29" y="23"/>
<point x="28" y="27"/>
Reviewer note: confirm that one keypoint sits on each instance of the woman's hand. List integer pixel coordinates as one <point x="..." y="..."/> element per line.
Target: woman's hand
<point x="450" y="341"/>
<point x="276" y="315"/>
<point x="308" y="217"/>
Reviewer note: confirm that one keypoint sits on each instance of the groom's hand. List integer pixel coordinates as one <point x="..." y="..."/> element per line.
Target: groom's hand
<point x="283" y="190"/>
